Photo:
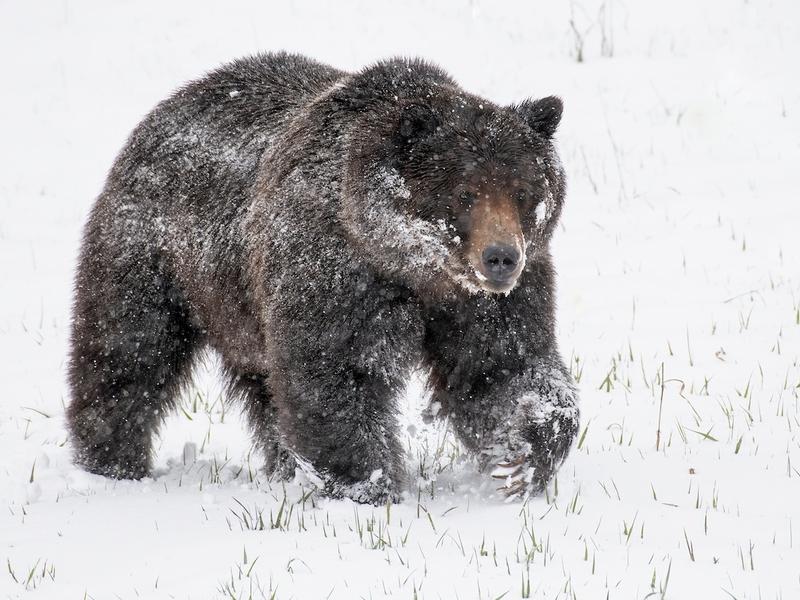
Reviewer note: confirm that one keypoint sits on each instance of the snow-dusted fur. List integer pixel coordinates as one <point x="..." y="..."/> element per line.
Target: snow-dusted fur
<point x="305" y="223"/>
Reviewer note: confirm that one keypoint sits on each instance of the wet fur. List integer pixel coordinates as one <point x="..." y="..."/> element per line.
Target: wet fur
<point x="285" y="214"/>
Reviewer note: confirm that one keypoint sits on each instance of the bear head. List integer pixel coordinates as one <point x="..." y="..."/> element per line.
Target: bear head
<point x="443" y="189"/>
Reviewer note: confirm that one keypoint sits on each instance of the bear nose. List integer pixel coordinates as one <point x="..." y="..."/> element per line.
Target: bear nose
<point x="500" y="261"/>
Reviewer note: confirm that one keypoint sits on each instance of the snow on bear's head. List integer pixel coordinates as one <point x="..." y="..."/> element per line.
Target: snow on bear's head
<point x="445" y="190"/>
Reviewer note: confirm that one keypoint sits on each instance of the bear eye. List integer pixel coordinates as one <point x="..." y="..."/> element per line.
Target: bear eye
<point x="520" y="195"/>
<point x="467" y="197"/>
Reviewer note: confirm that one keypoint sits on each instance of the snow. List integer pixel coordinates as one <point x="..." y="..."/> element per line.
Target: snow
<point x="679" y="312"/>
<point x="394" y="232"/>
<point x="395" y="184"/>
<point x="541" y="212"/>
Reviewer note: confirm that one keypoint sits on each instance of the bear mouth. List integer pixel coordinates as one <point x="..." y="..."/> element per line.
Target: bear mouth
<point x="496" y="287"/>
<point x="474" y="282"/>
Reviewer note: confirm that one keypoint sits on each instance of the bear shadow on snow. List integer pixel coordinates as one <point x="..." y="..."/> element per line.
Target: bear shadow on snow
<point x="327" y="233"/>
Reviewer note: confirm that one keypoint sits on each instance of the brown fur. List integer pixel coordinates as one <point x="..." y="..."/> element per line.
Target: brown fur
<point x="494" y="220"/>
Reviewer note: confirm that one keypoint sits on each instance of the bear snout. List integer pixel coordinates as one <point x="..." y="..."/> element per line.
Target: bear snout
<point x="496" y="243"/>
<point x="500" y="262"/>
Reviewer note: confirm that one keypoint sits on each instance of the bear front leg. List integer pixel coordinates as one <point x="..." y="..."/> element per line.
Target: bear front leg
<point x="526" y="449"/>
<point x="335" y="384"/>
<point x="521" y="425"/>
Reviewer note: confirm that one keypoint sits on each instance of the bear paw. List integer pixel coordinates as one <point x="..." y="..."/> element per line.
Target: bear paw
<point x="280" y="464"/>
<point x="520" y="479"/>
<point x="533" y="443"/>
<point x="377" y="490"/>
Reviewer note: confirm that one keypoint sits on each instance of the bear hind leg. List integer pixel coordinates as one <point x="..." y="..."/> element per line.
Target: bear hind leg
<point x="132" y="350"/>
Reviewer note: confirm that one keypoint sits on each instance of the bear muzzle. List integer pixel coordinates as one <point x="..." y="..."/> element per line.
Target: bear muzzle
<point x="496" y="244"/>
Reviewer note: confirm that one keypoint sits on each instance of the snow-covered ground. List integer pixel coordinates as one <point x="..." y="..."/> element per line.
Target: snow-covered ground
<point x="679" y="272"/>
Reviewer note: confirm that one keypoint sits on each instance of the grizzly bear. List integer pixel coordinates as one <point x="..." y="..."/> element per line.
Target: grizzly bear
<point x="328" y="233"/>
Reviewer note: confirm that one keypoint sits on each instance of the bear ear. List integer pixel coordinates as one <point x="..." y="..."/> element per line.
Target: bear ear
<point x="416" y="122"/>
<point x="542" y="115"/>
